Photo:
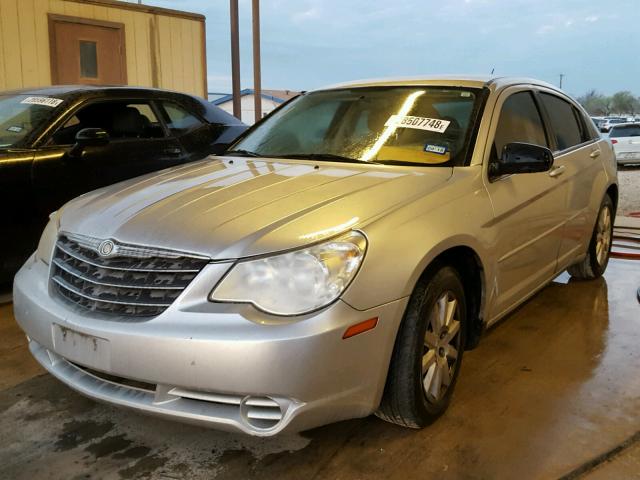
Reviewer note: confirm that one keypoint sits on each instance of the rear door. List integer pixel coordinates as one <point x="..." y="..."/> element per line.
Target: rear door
<point x="528" y="208"/>
<point x="576" y="164"/>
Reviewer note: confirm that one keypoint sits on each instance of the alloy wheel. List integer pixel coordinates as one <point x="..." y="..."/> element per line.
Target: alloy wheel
<point x="441" y="347"/>
<point x="603" y="235"/>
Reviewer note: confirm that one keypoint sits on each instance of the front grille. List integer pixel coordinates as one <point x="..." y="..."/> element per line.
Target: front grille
<point x="131" y="281"/>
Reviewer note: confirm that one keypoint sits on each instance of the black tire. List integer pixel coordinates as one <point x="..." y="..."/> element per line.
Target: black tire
<point x="405" y="401"/>
<point x="593" y="265"/>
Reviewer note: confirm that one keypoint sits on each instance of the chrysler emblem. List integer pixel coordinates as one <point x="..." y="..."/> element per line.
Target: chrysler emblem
<point x="106" y="248"/>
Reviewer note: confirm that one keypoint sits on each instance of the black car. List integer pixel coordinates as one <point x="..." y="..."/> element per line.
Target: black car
<point x="59" y="142"/>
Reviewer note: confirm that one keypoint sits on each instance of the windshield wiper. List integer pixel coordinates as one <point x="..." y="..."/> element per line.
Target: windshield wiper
<point x="242" y="153"/>
<point x="406" y="163"/>
<point x="323" y="156"/>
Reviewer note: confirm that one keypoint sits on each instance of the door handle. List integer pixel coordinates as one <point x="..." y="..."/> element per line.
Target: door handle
<point x="595" y="154"/>
<point x="556" y="171"/>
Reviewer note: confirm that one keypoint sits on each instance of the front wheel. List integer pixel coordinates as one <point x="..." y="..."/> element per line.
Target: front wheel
<point x="427" y="353"/>
<point x="595" y="263"/>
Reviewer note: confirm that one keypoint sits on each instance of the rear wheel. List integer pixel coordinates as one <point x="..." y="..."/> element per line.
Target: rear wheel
<point x="595" y="263"/>
<point x="428" y="352"/>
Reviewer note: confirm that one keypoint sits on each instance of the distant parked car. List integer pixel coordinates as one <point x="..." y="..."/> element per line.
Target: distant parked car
<point x="59" y="142"/>
<point x="606" y="125"/>
<point x="598" y="121"/>
<point x="626" y="143"/>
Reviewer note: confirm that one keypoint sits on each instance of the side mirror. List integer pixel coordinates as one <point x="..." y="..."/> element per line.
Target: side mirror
<point x="88" y="137"/>
<point x="522" y="158"/>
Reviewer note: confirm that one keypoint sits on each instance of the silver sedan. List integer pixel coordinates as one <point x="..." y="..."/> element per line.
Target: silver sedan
<point x="335" y="262"/>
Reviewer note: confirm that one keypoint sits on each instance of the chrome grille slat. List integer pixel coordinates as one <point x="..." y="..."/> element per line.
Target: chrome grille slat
<point x="82" y="277"/>
<point x="130" y="287"/>
<point x="90" y="262"/>
<point x="72" y="289"/>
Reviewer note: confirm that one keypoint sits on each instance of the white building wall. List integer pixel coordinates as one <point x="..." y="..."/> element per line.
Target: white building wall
<point x="247" y="106"/>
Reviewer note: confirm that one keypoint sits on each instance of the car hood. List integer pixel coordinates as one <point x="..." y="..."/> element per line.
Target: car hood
<point x="227" y="208"/>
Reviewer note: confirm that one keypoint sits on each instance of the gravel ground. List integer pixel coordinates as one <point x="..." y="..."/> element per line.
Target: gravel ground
<point x="629" y="181"/>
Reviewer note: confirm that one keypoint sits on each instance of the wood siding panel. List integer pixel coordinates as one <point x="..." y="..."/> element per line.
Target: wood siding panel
<point x="3" y="82"/>
<point x="142" y="49"/>
<point x="166" y="58"/>
<point x="177" y="54"/>
<point x="10" y="42"/>
<point x="42" y="41"/>
<point x="27" y="39"/>
<point x="173" y="53"/>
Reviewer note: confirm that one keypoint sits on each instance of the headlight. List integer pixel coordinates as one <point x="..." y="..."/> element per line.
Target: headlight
<point x="48" y="238"/>
<point x="297" y="282"/>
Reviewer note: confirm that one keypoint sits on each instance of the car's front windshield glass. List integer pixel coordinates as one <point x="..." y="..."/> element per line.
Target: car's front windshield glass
<point x="427" y="126"/>
<point x="21" y="114"/>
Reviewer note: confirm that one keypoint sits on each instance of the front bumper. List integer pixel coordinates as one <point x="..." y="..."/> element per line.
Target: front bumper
<point x="225" y="366"/>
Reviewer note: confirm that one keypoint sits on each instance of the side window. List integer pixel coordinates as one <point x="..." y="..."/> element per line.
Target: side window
<point x="520" y="121"/>
<point x="120" y="119"/>
<point x="179" y="120"/>
<point x="564" y="123"/>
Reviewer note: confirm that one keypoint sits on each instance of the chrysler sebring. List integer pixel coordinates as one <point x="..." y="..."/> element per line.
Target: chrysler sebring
<point x="335" y="262"/>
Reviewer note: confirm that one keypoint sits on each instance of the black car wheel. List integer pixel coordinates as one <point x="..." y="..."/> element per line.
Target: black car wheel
<point x="428" y="352"/>
<point x="597" y="259"/>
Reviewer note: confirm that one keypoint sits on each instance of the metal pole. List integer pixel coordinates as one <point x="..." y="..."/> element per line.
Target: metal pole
<point x="257" y="87"/>
<point x="561" y="77"/>
<point x="235" y="59"/>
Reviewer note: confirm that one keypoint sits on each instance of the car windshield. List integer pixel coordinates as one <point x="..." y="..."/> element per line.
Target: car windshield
<point x="429" y="126"/>
<point x="625" y="131"/>
<point x="21" y="114"/>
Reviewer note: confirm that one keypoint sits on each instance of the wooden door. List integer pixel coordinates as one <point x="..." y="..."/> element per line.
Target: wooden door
<point x="85" y="51"/>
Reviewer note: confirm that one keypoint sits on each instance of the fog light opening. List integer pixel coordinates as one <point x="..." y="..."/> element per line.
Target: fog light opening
<point x="261" y="413"/>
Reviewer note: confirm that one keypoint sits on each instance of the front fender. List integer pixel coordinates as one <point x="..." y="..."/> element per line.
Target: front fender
<point x="404" y="243"/>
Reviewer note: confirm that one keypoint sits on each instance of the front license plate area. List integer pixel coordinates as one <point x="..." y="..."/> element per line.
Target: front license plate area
<point x="77" y="347"/>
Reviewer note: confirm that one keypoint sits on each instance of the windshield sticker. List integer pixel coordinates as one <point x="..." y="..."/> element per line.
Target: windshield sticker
<point x="438" y="149"/>
<point x="420" y="123"/>
<point x="14" y="129"/>
<point x="46" y="101"/>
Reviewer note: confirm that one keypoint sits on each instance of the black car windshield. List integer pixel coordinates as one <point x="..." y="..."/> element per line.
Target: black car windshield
<point x="21" y="114"/>
<point x="427" y="126"/>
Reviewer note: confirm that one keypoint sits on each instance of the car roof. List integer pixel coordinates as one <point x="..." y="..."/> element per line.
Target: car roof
<point x="477" y="81"/>
<point x="72" y="93"/>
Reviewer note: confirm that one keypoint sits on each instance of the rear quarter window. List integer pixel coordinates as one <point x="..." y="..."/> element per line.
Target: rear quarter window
<point x="566" y="127"/>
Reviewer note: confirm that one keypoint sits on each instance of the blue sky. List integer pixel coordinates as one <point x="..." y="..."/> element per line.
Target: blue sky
<point x="310" y="43"/>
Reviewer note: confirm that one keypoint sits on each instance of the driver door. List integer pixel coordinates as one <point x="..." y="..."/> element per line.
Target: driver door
<point x="528" y="207"/>
<point x="139" y="144"/>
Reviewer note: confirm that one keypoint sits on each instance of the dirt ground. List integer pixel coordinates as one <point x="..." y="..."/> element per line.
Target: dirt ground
<point x="551" y="392"/>
<point x="629" y="181"/>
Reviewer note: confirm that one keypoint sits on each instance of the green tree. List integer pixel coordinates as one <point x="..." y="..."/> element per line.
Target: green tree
<point x="595" y="103"/>
<point x="625" y="102"/>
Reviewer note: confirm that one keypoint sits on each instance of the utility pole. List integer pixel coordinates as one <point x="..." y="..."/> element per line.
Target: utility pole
<point x="235" y="58"/>
<point x="257" y="86"/>
<point x="561" y="77"/>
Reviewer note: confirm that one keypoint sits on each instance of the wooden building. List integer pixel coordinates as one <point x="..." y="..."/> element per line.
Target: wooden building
<point x="45" y="42"/>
